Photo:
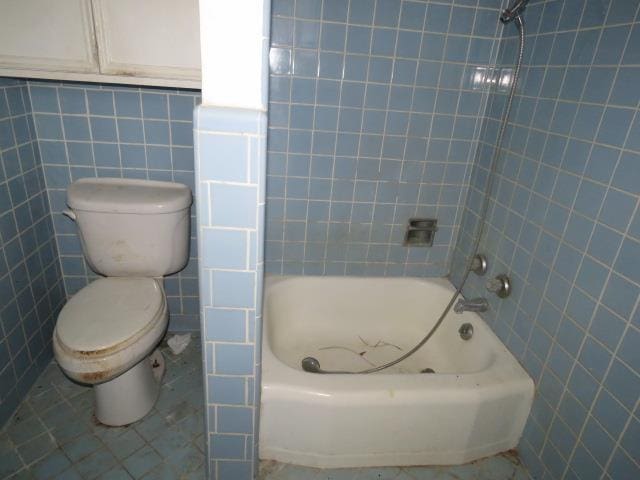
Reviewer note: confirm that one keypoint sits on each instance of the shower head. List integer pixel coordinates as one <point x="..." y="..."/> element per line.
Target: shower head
<point x="514" y="11"/>
<point x="311" y="365"/>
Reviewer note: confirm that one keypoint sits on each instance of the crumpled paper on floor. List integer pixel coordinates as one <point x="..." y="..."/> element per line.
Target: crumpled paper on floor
<point x="178" y="343"/>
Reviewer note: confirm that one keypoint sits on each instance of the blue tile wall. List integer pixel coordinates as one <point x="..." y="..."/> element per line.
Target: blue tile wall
<point x="31" y="287"/>
<point x="230" y="172"/>
<point x="564" y="224"/>
<point x="372" y="120"/>
<point x="106" y="131"/>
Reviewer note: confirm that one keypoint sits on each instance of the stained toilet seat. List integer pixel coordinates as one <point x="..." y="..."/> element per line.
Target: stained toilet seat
<point x="109" y="326"/>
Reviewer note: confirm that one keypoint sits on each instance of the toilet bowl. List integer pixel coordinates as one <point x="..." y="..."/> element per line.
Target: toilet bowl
<point x="104" y="336"/>
<point x="133" y="232"/>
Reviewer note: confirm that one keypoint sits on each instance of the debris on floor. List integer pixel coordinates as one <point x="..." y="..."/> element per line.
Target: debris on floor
<point x="178" y="343"/>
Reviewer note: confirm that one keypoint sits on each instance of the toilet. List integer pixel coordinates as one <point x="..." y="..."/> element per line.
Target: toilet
<point x="133" y="232"/>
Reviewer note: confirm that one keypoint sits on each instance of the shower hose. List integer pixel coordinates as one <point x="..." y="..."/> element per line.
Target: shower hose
<point x="312" y="365"/>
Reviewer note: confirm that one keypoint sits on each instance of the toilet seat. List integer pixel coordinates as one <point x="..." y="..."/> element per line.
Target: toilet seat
<point x="109" y="326"/>
<point x="108" y="315"/>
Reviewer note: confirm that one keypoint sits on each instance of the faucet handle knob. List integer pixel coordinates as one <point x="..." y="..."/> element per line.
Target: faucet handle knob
<point x="479" y="264"/>
<point x="493" y="285"/>
<point x="500" y="285"/>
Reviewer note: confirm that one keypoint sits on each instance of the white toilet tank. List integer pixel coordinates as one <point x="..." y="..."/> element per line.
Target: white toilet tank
<point x="132" y="227"/>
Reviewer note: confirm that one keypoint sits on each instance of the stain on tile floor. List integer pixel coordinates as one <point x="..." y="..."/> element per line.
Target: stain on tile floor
<point x="499" y="467"/>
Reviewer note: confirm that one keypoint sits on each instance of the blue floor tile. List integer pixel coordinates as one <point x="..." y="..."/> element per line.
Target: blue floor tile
<point x="54" y="435"/>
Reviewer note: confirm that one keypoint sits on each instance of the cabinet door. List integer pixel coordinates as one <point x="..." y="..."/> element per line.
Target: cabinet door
<point x="47" y="36"/>
<point x="148" y="38"/>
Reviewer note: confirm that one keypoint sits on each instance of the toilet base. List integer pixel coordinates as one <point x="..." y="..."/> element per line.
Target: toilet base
<point x="130" y="396"/>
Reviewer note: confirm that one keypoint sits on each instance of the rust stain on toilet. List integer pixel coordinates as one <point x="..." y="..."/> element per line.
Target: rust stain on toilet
<point x="102" y="352"/>
<point x="105" y="372"/>
<point x="94" y="377"/>
<point x="109" y="350"/>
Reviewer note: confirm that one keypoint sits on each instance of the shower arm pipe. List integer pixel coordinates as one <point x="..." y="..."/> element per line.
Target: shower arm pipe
<point x="315" y="365"/>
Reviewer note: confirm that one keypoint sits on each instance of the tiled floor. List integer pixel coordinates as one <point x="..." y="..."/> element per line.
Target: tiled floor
<point x="54" y="434"/>
<point x="501" y="467"/>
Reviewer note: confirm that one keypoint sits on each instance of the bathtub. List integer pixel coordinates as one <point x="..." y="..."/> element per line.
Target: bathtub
<point x="474" y="405"/>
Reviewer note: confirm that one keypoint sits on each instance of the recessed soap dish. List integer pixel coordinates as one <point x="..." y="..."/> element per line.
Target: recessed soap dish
<point x="420" y="232"/>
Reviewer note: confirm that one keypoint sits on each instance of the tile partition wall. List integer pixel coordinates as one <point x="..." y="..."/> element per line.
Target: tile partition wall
<point x="88" y="130"/>
<point x="564" y="224"/>
<point x="372" y="121"/>
<point x="230" y="143"/>
<point x="31" y="288"/>
<point x="230" y="167"/>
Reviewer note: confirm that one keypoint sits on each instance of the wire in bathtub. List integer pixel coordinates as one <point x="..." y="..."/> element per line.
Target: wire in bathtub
<point x="361" y="353"/>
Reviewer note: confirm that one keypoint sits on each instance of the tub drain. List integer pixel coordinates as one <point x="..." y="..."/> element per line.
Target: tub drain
<point x="427" y="370"/>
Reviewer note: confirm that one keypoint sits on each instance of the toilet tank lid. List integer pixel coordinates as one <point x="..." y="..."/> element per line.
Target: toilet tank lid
<point x="120" y="195"/>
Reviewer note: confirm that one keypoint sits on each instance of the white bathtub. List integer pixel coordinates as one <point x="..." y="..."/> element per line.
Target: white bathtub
<point x="475" y="404"/>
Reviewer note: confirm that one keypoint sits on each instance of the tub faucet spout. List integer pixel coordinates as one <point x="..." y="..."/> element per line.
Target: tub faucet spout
<point x="473" y="305"/>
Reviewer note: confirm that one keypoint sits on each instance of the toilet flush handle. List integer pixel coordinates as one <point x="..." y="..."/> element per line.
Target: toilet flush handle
<point x="70" y="214"/>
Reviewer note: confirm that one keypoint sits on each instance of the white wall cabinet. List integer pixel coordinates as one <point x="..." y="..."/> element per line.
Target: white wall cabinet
<point x="48" y="36"/>
<point x="151" y="38"/>
<point x="143" y="42"/>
